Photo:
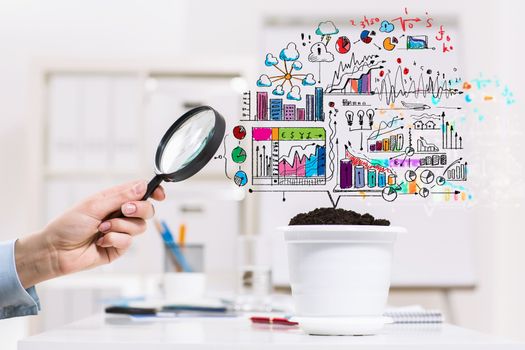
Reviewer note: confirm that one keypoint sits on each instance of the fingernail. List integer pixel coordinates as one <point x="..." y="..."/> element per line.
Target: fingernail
<point x="103" y="227"/>
<point x="140" y="188"/>
<point x="129" y="208"/>
<point x="99" y="241"/>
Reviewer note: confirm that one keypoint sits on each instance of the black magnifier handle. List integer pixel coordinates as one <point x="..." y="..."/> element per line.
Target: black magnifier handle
<point x="152" y="185"/>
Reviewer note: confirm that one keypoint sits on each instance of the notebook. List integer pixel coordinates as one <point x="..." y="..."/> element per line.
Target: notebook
<point x="414" y="314"/>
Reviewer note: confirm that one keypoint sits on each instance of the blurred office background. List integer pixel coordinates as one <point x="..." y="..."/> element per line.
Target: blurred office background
<point x="86" y="88"/>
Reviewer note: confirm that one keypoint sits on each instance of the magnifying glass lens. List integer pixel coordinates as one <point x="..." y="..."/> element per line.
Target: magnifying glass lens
<point x="187" y="142"/>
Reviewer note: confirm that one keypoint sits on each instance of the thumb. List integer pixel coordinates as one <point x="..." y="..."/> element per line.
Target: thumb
<point x="110" y="200"/>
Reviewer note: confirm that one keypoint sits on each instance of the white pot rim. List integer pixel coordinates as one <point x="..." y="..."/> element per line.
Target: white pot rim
<point x="341" y="233"/>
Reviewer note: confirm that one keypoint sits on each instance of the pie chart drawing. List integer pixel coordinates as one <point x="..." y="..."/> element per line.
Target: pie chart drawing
<point x="366" y="36"/>
<point x="427" y="177"/>
<point x="342" y="45"/>
<point x="389" y="194"/>
<point x="240" y="178"/>
<point x="424" y="192"/>
<point x="410" y="175"/>
<point x="238" y="155"/>
<point x="440" y="180"/>
<point x="239" y="132"/>
<point x="390" y="43"/>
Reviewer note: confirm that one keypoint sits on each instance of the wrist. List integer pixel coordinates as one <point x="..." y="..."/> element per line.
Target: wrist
<point x="35" y="260"/>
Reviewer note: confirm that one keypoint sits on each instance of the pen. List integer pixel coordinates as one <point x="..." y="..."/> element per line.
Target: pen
<point x="169" y="311"/>
<point x="127" y="310"/>
<point x="174" y="247"/>
<point x="172" y="256"/>
<point x="194" y="308"/>
<point x="273" y="320"/>
<point x="182" y="235"/>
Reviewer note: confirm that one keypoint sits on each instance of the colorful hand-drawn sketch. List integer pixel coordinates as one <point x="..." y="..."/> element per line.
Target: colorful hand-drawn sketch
<point x="366" y="108"/>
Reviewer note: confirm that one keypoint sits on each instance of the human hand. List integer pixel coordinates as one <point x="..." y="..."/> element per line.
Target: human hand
<point x="82" y="237"/>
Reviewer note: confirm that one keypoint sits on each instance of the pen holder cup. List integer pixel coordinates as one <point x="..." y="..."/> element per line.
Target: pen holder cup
<point x="184" y="284"/>
<point x="193" y="255"/>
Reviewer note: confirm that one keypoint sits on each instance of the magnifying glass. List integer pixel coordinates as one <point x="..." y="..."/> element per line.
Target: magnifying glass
<point x="187" y="146"/>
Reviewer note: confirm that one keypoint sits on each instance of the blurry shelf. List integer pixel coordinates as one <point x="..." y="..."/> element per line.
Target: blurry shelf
<point x="88" y="175"/>
<point x="202" y="190"/>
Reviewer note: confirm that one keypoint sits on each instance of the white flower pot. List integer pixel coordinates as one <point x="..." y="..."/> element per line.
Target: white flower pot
<point x="340" y="276"/>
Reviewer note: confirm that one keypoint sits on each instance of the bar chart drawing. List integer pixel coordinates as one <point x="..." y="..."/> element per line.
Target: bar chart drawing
<point x="392" y="143"/>
<point x="456" y="171"/>
<point x="246" y="105"/>
<point x="262" y="105"/>
<point x="357" y="174"/>
<point x="288" y="156"/>
<point x="279" y="109"/>
<point x="276" y="108"/>
<point x="450" y="137"/>
<point x="353" y="176"/>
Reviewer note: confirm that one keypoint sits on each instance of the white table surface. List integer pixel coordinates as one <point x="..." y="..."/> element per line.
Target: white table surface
<point x="121" y="333"/>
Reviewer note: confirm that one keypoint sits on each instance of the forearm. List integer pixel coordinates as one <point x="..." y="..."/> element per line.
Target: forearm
<point x="35" y="260"/>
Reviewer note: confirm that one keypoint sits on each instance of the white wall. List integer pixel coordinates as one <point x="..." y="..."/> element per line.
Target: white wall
<point x="136" y="30"/>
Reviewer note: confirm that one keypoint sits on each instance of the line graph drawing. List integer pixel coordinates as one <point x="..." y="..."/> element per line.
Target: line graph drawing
<point x="390" y="89"/>
<point x="417" y="42"/>
<point x="423" y="146"/>
<point x="289" y="156"/>
<point x="354" y="77"/>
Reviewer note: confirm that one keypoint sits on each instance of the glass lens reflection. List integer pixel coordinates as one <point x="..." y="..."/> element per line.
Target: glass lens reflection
<point x="187" y="142"/>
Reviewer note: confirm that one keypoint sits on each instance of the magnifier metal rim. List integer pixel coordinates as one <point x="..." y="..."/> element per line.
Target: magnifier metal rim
<point x="196" y="164"/>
